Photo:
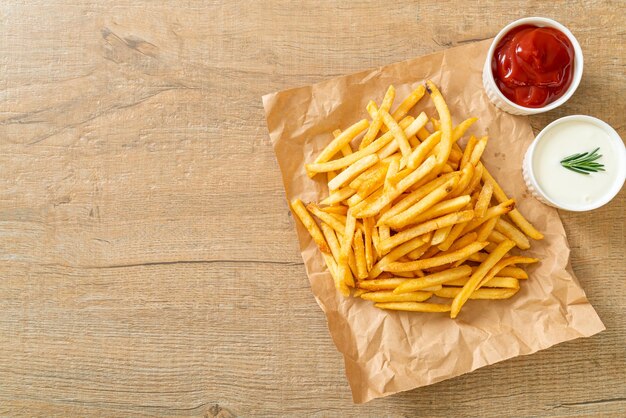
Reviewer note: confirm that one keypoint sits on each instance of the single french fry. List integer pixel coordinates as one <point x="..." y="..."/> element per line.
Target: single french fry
<point x="512" y="233"/>
<point x="436" y="261"/>
<point x="408" y="103"/>
<point x="392" y="256"/>
<point x="478" y="257"/>
<point x="445" y="145"/>
<point x="485" y="229"/>
<point x="368" y="226"/>
<point x="418" y="252"/>
<point x="414" y="306"/>
<point x="377" y="119"/>
<point x="484" y="198"/>
<point x="443" y="208"/>
<point x="331" y="239"/>
<point x="505" y="282"/>
<point x="428" y="226"/>
<point x="478" y="150"/>
<point x="346" y="150"/>
<point x="497" y="237"/>
<point x="348" y="236"/>
<point x="493" y="293"/>
<point x="419" y="154"/>
<point x="375" y="240"/>
<point x="467" y="153"/>
<point x="336" y="274"/>
<point x="514" y="272"/>
<point x="491" y="247"/>
<point x="461" y="128"/>
<point x="371" y="207"/>
<point x="447" y="168"/>
<point x="435" y="279"/>
<point x="346" y="276"/>
<point x="309" y="223"/>
<point x="406" y="274"/>
<point x="342" y="140"/>
<point x="515" y="215"/>
<point x="341" y="218"/>
<point x="390" y="283"/>
<point x="383" y="233"/>
<point x="349" y="271"/>
<point x="479" y="275"/>
<point x="359" y="254"/>
<point x="337" y="209"/>
<point x="338" y="196"/>
<point x="389" y="296"/>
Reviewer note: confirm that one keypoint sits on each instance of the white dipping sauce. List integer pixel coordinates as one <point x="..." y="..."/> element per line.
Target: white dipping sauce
<point x="568" y="187"/>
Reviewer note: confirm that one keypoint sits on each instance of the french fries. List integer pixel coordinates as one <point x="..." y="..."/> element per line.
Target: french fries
<point x="410" y="215"/>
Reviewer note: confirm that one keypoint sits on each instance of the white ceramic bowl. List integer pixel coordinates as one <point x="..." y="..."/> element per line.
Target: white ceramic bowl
<point x="619" y="174"/>
<point x="500" y="100"/>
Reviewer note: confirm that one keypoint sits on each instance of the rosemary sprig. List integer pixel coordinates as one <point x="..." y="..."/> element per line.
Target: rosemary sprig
<point x="583" y="163"/>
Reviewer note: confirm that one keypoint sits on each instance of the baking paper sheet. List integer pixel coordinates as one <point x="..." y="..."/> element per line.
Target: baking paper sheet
<point x="387" y="352"/>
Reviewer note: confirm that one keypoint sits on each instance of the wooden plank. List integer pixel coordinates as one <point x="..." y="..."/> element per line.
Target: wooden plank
<point x="149" y="264"/>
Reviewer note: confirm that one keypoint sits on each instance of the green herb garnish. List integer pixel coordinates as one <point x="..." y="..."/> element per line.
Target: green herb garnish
<point x="583" y="163"/>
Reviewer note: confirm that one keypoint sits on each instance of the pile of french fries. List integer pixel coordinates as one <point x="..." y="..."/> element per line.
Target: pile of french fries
<point x="410" y="215"/>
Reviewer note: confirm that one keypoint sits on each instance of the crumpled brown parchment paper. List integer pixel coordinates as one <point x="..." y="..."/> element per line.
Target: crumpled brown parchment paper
<point x="387" y="352"/>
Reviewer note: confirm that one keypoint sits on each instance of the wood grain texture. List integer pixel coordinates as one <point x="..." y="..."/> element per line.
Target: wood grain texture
<point x="148" y="261"/>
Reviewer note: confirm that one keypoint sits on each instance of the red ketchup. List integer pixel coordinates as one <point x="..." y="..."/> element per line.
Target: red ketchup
<point x="533" y="66"/>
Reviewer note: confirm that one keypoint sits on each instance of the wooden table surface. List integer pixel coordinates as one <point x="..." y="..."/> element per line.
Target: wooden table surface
<point x="149" y="264"/>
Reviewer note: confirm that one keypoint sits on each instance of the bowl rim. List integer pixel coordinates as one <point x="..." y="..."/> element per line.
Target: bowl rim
<point x="615" y="187"/>
<point x="578" y="63"/>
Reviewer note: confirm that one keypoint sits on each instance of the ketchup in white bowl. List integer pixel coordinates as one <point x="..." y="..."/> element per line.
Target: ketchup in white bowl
<point x="533" y="66"/>
<point x="576" y="163"/>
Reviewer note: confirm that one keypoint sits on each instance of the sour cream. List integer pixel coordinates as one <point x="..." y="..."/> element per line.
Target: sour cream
<point x="557" y="186"/>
